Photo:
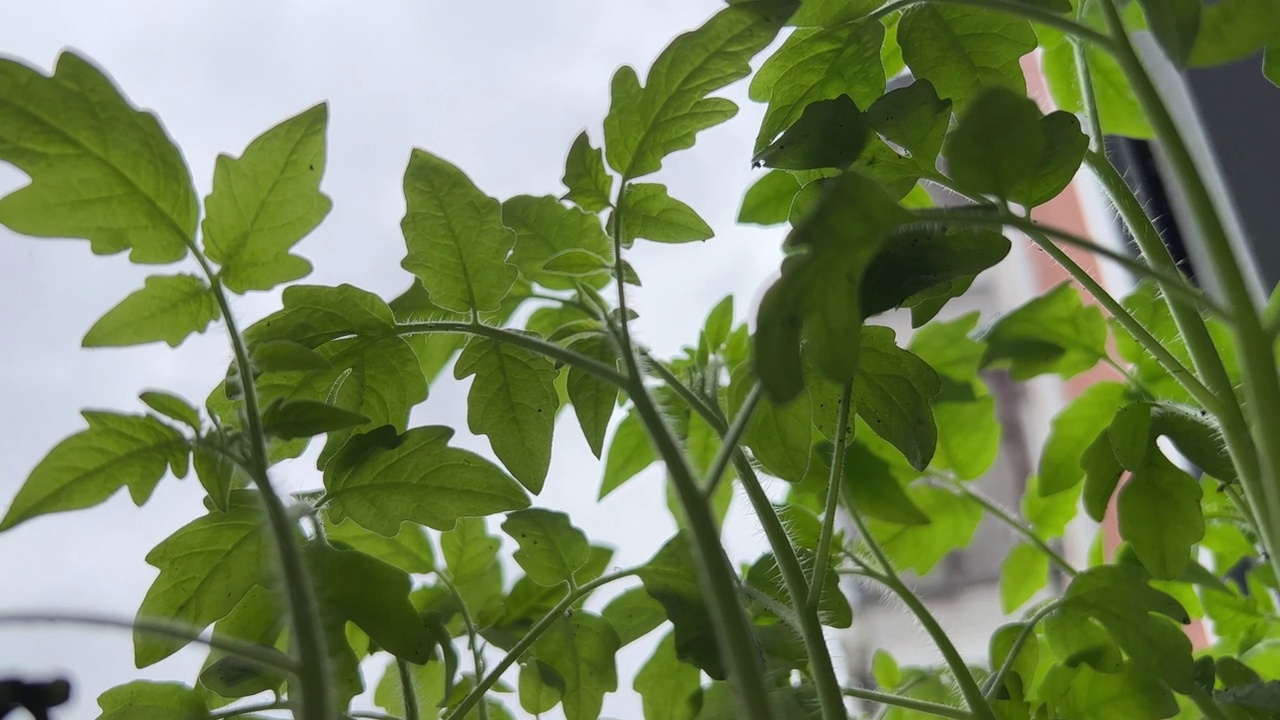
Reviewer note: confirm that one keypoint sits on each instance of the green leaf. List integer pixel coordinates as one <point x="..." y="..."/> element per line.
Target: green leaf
<point x="219" y="474"/>
<point x="1159" y="513"/>
<point x="409" y="550"/>
<point x="457" y="243"/>
<point x="968" y="434"/>
<point x="471" y="555"/>
<point x="590" y="185"/>
<point x="267" y="200"/>
<point x="372" y="594"/>
<point x="629" y="453"/>
<point x="381" y="479"/>
<point x="1025" y="665"/>
<point x="87" y="468"/>
<point x="833" y="607"/>
<point x="1064" y="147"/>
<point x="913" y="118"/>
<point x="576" y="264"/>
<point x="997" y="143"/>
<point x="830" y="13"/>
<point x="649" y="212"/>
<point x="892" y="392"/>
<point x="206" y="567"/>
<point x="1118" y="106"/>
<point x="1233" y="30"/>
<point x="917" y="260"/>
<point x="172" y="406"/>
<point x="100" y="170"/>
<point x="669" y="689"/>
<point x="828" y="134"/>
<point x="540" y="687"/>
<point x="544" y="228"/>
<point x="593" y="399"/>
<point x="875" y="487"/>
<point x="551" y="548"/>
<point x="961" y="49"/>
<point x="952" y="523"/>
<point x="780" y="437"/>
<point x="1024" y="573"/>
<point x="292" y="419"/>
<point x="513" y="401"/>
<point x="1130" y="434"/>
<point x="1197" y="435"/>
<point x="1049" y="515"/>
<point x="719" y="324"/>
<point x="428" y="689"/>
<point x="146" y="700"/>
<point x="817" y="65"/>
<point x="1124" y="694"/>
<point x="1071" y="432"/>
<point x="581" y="649"/>
<point x="672" y="579"/>
<point x="768" y="200"/>
<point x="645" y="124"/>
<point x="1102" y="473"/>
<point x="287" y="356"/>
<point x="314" y="315"/>
<point x="168" y="308"/>
<point x="634" y="614"/>
<point x="258" y="618"/>
<point x="1054" y="333"/>
<point x="1175" y="24"/>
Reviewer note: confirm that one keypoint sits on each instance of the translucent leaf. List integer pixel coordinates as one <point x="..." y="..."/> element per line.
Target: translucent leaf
<point x="581" y="649"/>
<point x="409" y="550"/>
<point x="382" y="479"/>
<point x="829" y="13"/>
<point x="649" y="212"/>
<point x="267" y="200"/>
<point x="1064" y="148"/>
<point x="87" y="468"/>
<point x="1118" y="106"/>
<point x="593" y="399"/>
<point x="780" y="437"/>
<point x="1071" y="432"/>
<point x="833" y="607"/>
<point x="875" y="488"/>
<point x="291" y="419"/>
<point x="1233" y="30"/>
<point x="172" y="406"/>
<point x="892" y="391"/>
<point x="513" y="401"/>
<point x="629" y="453"/>
<point x="256" y="619"/>
<point x="952" y="523"/>
<point x="1024" y="572"/>
<point x="1130" y="434"/>
<point x="551" y="548"/>
<point x="669" y="689"/>
<point x="590" y="185"/>
<point x="1159" y="513"/>
<point x="315" y="314"/>
<point x="218" y="472"/>
<point x="146" y="700"/>
<point x="102" y="171"/>
<point x="645" y="124"/>
<point x="1101" y="476"/>
<point x="544" y="228"/>
<point x="634" y="614"/>
<point x="915" y="119"/>
<point x="768" y="200"/>
<point x="1054" y="333"/>
<point x="1121" y="695"/>
<point x="457" y="243"/>
<point x="540" y="687"/>
<point x="287" y="356"/>
<point x="471" y="555"/>
<point x="961" y="49"/>
<point x="919" y="263"/>
<point x="168" y="308"/>
<point x="996" y="145"/>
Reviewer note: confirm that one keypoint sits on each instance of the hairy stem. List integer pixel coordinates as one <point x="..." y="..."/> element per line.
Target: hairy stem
<point x="907" y="703"/>
<point x="833" y="499"/>
<point x="408" y="693"/>
<point x="473" y="638"/>
<point x="1012" y="522"/>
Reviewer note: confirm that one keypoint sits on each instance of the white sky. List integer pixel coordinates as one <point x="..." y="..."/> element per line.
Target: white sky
<point x="499" y="88"/>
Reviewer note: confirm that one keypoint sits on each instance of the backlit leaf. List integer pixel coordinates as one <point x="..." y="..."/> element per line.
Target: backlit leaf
<point x="1159" y="512"/>
<point x="914" y="118"/>
<point x="581" y="648"/>
<point x="590" y="185"/>
<point x="996" y="146"/>
<point x="1072" y="431"/>
<point x="629" y="453"/>
<point x="828" y="134"/>
<point x="672" y="579"/>
<point x="291" y="419"/>
<point x="545" y="228"/>
<point x="962" y="49"/>
<point x="146" y="700"/>
<point x="428" y="689"/>
<point x="874" y="487"/>
<point x="669" y="689"/>
<point x="649" y="212"/>
<point x="1024" y="572"/>
<point x="892" y="391"/>
<point x="314" y="314"/>
<point x="593" y="399"/>
<point x="768" y="200"/>
<point x="551" y="548"/>
<point x="1064" y="148"/>
<point x="952" y="523"/>
<point x="410" y="549"/>
<point x="172" y="406"/>
<point x="1118" y="106"/>
<point x="1175" y="24"/>
<point x="634" y="614"/>
<point x="258" y="618"/>
<point x="1054" y="333"/>
<point x="917" y="260"/>
<point x="168" y="308"/>
<point x="471" y="555"/>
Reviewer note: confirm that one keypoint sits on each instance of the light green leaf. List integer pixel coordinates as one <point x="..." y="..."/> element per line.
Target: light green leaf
<point x="471" y="555"/>
<point x="590" y="185"/>
<point x="768" y="200"/>
<point x="218" y="473"/>
<point x="947" y="347"/>
<point x="892" y="393"/>
<point x="100" y="170"/>
<point x="1130" y="434"/>
<point x="997" y="144"/>
<point x="719" y="323"/>
<point x="315" y="314"/>
<point x="669" y="689"/>
<point x="1102" y="473"/>
<point x="146" y="700"/>
<point x="1159" y="512"/>
<point x="1054" y="333"/>
<point x="645" y="124"/>
<point x="428" y="689"/>
<point x="875" y="487"/>
<point x="581" y="649"/>
<point x="1072" y="431"/>
<point x="968" y="432"/>
<point x="168" y="308"/>
<point x="292" y="419"/>
<point x="1024" y="572"/>
<point x="780" y="437"/>
<point x="540" y="687"/>
<point x="381" y="479"/>
<point x="961" y="49"/>
<point x="457" y="243"/>
<point x="409" y="550"/>
<point x="87" y="468"/>
<point x="952" y="523"/>
<point x="829" y="134"/>
<point x="649" y="212"/>
<point x="551" y="548"/>
<point x="1175" y="24"/>
<point x="1048" y="515"/>
<point x="833" y="607"/>
<point x="287" y="356"/>
<point x="915" y="119"/>
<point x="172" y="406"/>
<point x="593" y="399"/>
<point x="267" y="200"/>
<point x="1124" y="694"/>
<point x="1118" y="106"/>
<point x="830" y="13"/>
<point x="576" y="264"/>
<point x="1023" y="672"/>
<point x="513" y="400"/>
<point x="634" y="614"/>
<point x="206" y="567"/>
<point x="672" y="579"/>
<point x="544" y="228"/>
<point x="816" y="65"/>
<point x="629" y="453"/>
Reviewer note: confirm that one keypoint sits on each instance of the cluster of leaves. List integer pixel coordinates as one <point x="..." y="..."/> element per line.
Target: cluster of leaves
<point x="395" y="547"/>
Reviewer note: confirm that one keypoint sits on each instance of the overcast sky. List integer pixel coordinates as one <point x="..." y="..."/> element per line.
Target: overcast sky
<point x="498" y="87"/>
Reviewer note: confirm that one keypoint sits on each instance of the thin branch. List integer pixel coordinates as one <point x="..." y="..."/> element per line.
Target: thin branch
<point x="1008" y="519"/>
<point x="730" y="439"/>
<point x="473" y="639"/>
<point x="907" y="703"/>
<point x="1028" y="629"/>
<point x="833" y="499"/>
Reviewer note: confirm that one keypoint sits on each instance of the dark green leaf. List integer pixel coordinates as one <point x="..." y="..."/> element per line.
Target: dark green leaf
<point x="672" y="579"/>
<point x="997" y="144"/>
<point x="314" y="315"/>
<point x="768" y="201"/>
<point x="287" y="356"/>
<point x="915" y="119"/>
<point x="409" y="550"/>
<point x="172" y="406"/>
<point x="918" y="259"/>
<point x="1024" y="573"/>
<point x="457" y="243"/>
<point x="874" y="487"/>
<point x="146" y="700"/>
<point x="892" y="393"/>
<point x="267" y="200"/>
<point x="513" y="401"/>
<point x="256" y="619"/>
<point x="649" y="212"/>
<point x="544" y="228"/>
<point x="645" y="124"/>
<point x="1159" y="512"/>
<point x="669" y="689"/>
<point x="1072" y="431"/>
<point x="168" y="308"/>
<point x="382" y="479"/>
<point x="629" y="453"/>
<point x="962" y="49"/>
<point x="206" y="567"/>
<point x="593" y="399"/>
<point x="1063" y="149"/>
<point x="1175" y="24"/>
<point x="581" y="649"/>
<point x="551" y="548"/>
<point x="828" y="134"/>
<point x="100" y="170"/>
<point x="1196" y="435"/>
<point x="817" y="65"/>
<point x="830" y="13"/>
<point x="952" y="522"/>
<point x="1130" y="435"/>
<point x="634" y="614"/>
<point x="590" y="186"/>
<point x="1054" y="333"/>
<point x="1077" y="640"/>
<point x="87" y="468"/>
<point x="292" y="419"/>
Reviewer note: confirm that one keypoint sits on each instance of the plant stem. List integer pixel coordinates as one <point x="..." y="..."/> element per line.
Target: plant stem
<point x="246" y="709"/>
<point x="526" y="642"/>
<point x="730" y="438"/>
<point x="907" y="703"/>
<point x="408" y="692"/>
<point x="1092" y="118"/>
<point x="1028" y="629"/>
<point x="833" y="499"/>
<point x="260" y="655"/>
<point x="473" y="638"/>
<point x="1007" y="518"/>
<point x="1069" y="27"/>
<point x="315" y="701"/>
<point x="716" y="574"/>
